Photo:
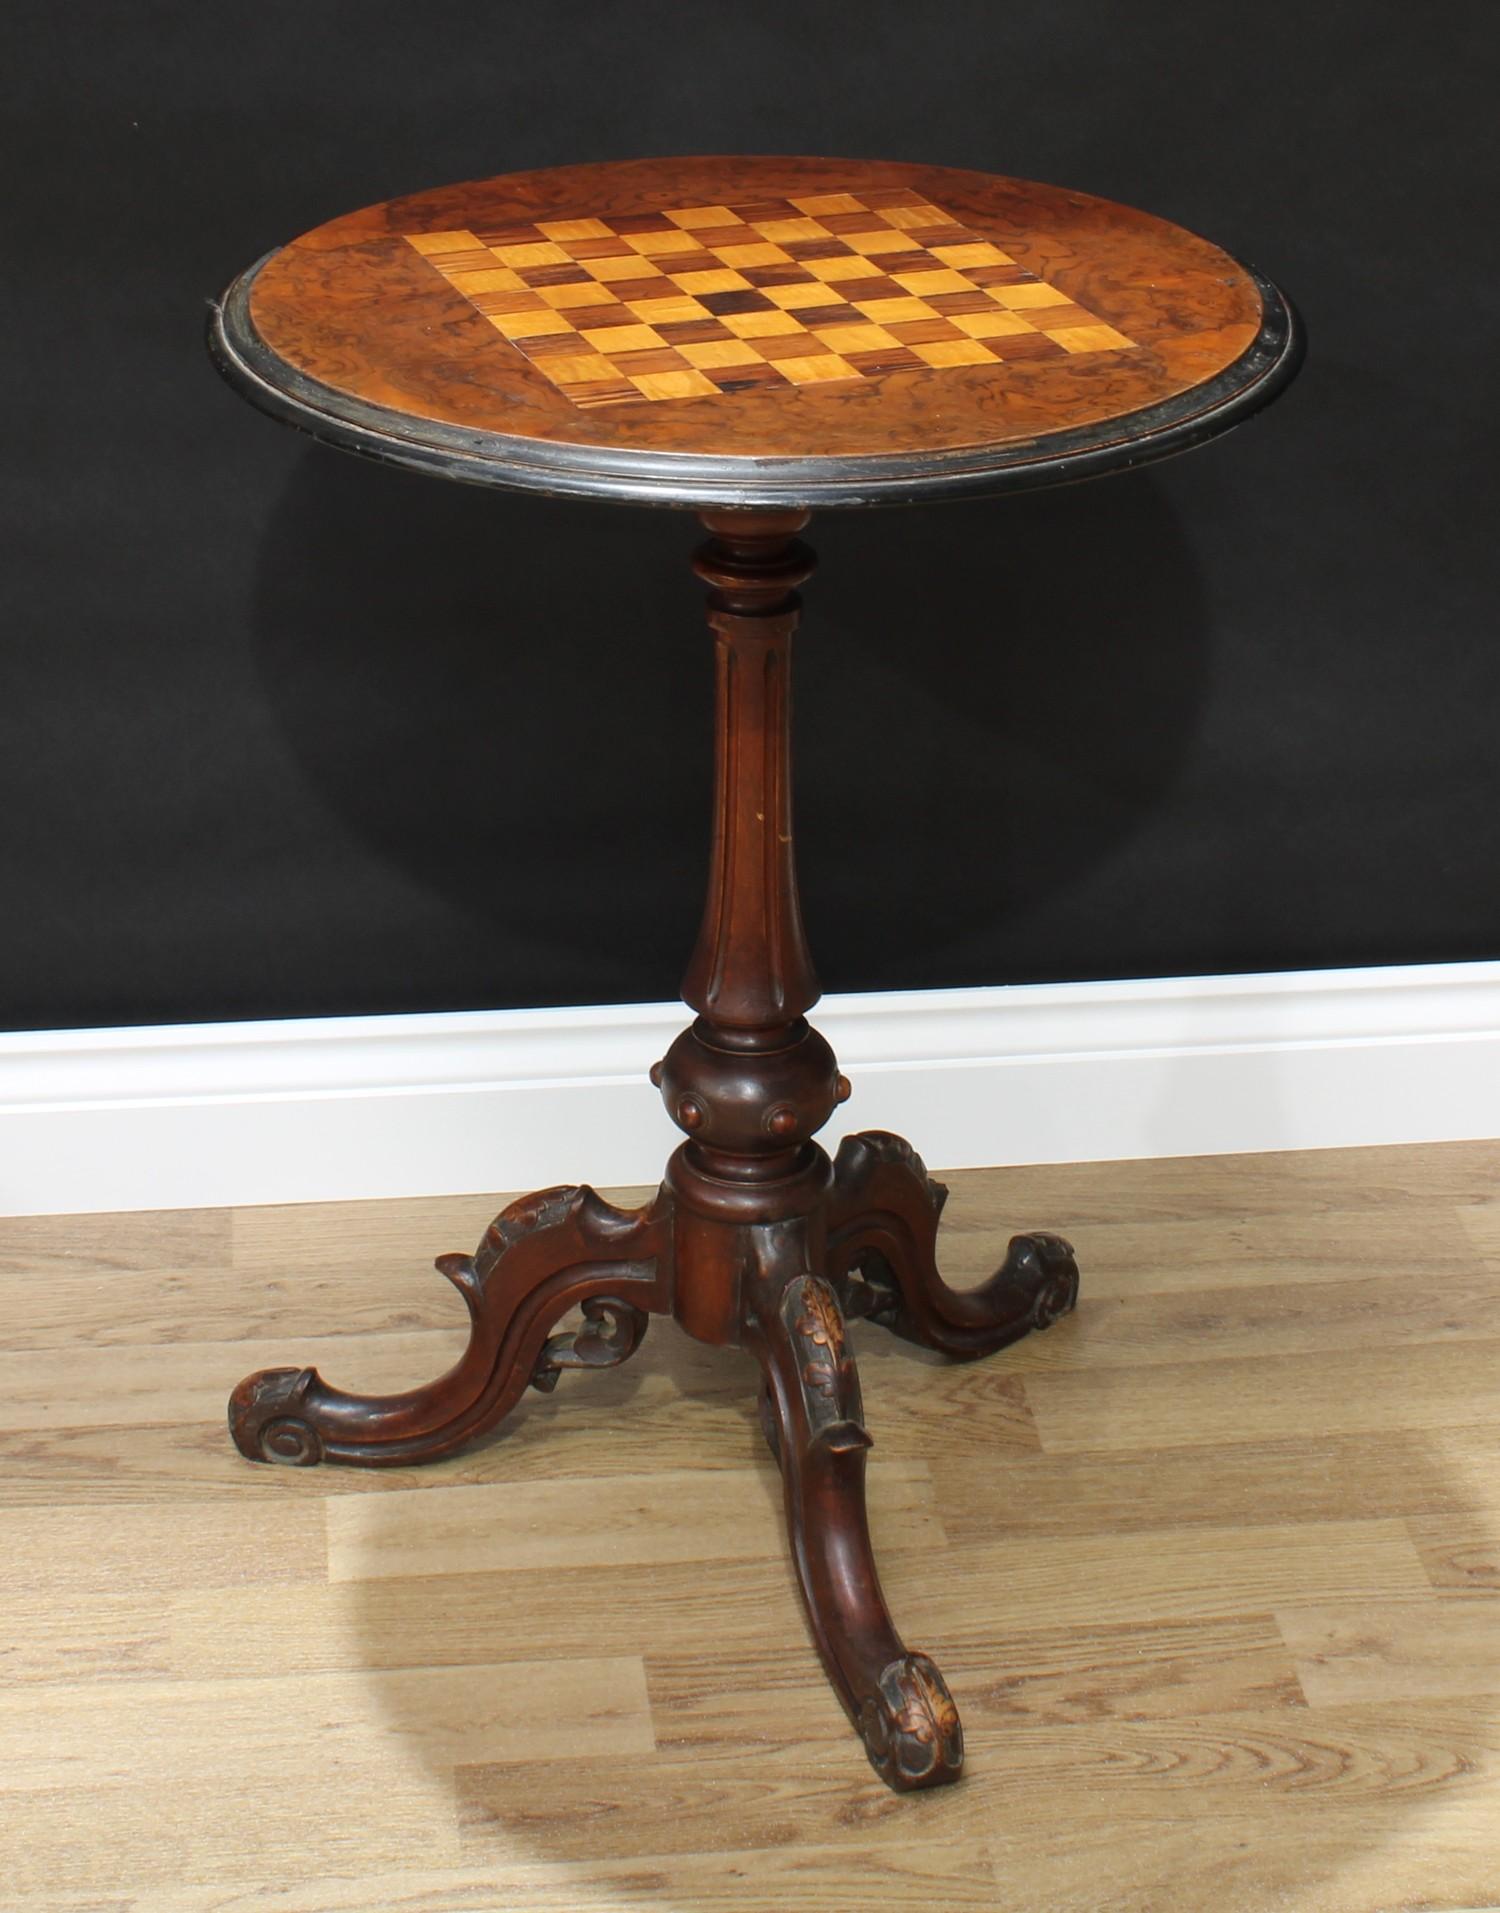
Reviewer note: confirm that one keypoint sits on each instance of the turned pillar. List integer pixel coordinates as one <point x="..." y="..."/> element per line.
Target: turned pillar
<point x="749" y="1082"/>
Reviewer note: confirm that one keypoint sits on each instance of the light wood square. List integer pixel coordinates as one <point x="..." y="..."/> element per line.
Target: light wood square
<point x="622" y="338"/>
<point x="843" y="266"/>
<point x="573" y="229"/>
<point x="989" y="325"/>
<point x="586" y="292"/>
<point x="539" y="252"/>
<point x="790" y="298"/>
<point x="876" y="242"/>
<point x="531" y="325"/>
<point x="933" y="279"/>
<point x="577" y="369"/>
<point x="724" y="279"/>
<point x="955" y="352"/>
<point x="1090" y="338"/>
<point x="672" y="311"/>
<point x="816" y="203"/>
<point x="488" y="279"/>
<point x="774" y="229"/>
<point x="674" y="385"/>
<point x="856" y="338"/>
<point x="977" y="252"/>
<point x="816" y="371"/>
<point x="760" y="325"/>
<point x="721" y="352"/>
<point x="651" y="243"/>
<point x="752" y="253"/>
<point x="1033" y="293"/>
<point x="894" y="311"/>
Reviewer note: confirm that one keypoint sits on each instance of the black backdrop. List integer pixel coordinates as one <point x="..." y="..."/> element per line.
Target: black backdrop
<point x="287" y="734"/>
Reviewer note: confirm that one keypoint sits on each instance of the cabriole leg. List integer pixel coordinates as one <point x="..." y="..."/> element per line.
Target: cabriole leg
<point x="882" y="1239"/>
<point x="811" y="1411"/>
<point x="539" y="1258"/>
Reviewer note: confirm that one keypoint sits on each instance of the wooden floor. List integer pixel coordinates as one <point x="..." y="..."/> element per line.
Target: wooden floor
<point x="1213" y="1569"/>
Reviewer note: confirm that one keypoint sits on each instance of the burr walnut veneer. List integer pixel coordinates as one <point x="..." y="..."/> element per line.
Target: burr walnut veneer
<point x="748" y="338"/>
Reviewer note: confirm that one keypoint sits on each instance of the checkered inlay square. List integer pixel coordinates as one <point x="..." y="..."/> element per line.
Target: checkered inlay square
<point x="775" y="294"/>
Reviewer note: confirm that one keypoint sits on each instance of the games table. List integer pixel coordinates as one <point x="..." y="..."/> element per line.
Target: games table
<point x="749" y="338"/>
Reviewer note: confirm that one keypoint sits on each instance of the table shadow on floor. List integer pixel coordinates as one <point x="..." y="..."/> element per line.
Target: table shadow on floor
<point x="753" y="1753"/>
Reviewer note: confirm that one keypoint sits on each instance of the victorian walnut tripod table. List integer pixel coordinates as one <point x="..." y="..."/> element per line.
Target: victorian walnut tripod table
<point x="748" y="338"/>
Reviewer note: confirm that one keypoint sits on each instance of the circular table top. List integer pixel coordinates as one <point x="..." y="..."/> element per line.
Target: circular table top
<point x="756" y="331"/>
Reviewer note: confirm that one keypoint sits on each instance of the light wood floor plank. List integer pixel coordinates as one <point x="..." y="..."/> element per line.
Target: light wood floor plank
<point x="1427" y="1646"/>
<point x="1459" y="1554"/>
<point x="1424" y="1248"/>
<point x="1276" y="1856"/>
<point x="91" y="1635"/>
<point x="76" y="1550"/>
<point x="190" y="1381"/>
<point x="809" y="1879"/>
<point x="1256" y="1483"/>
<point x="452" y="1618"/>
<point x="522" y="1710"/>
<point x="1221" y="1190"/>
<point x="1337" y="1392"/>
<point x="66" y="1311"/>
<point x="175" y="1825"/>
<point x="34" y="1248"/>
<point x="670" y="1515"/>
<point x="987" y="1589"/>
<point x="995" y="1593"/>
<point x="1269" y="1321"/>
<point x="1480" y="1222"/>
<point x="1043" y="1676"/>
<point x="367" y="1239"/>
<point x="1419" y="1762"/>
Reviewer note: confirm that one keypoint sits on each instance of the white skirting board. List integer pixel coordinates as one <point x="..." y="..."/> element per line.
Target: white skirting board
<point x="340" y="1108"/>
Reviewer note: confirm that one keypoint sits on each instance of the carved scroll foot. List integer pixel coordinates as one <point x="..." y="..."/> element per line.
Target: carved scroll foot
<point x="813" y="1419"/>
<point x="883" y="1226"/>
<point x="541" y="1257"/>
<point x="910" y="1726"/>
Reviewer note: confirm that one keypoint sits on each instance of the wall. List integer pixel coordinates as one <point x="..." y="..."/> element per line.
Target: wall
<point x="287" y="735"/>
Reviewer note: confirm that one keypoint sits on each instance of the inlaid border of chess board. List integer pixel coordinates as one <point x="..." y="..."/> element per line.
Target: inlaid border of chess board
<point x="711" y="300"/>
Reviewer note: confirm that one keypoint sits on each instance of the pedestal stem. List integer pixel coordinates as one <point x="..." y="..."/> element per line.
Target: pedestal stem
<point x="749" y="1082"/>
<point x="751" y="977"/>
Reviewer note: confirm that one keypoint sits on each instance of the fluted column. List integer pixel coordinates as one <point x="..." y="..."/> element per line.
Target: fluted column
<point x="749" y="1082"/>
<point x="751" y="975"/>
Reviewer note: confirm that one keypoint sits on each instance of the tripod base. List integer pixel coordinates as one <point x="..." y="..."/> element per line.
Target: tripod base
<point x="755" y="1238"/>
<point x="829" y="1241"/>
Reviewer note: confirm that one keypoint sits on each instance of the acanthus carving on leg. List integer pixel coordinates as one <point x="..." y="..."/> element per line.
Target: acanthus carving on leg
<point x="813" y="1417"/>
<point x="544" y="1255"/>
<point x="910" y="1725"/>
<point x="883" y="1225"/>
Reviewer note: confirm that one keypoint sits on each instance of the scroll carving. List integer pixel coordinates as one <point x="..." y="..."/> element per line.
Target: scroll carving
<point x="611" y="1334"/>
<point x="910" y="1725"/>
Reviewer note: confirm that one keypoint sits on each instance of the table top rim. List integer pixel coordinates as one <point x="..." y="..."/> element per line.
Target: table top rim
<point x="691" y="479"/>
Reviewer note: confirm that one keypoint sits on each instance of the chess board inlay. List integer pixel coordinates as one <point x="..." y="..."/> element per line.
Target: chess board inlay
<point x="774" y="294"/>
